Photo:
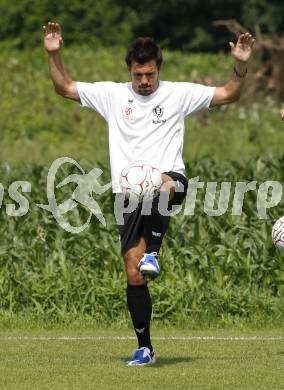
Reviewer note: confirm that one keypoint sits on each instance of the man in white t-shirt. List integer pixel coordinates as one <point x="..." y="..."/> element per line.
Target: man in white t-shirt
<point x="146" y="122"/>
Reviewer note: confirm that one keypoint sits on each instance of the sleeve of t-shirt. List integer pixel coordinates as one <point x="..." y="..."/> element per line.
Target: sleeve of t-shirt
<point x="96" y="96"/>
<point x="195" y="97"/>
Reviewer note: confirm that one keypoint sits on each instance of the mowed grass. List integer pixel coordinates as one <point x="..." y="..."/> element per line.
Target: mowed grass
<point x="44" y="361"/>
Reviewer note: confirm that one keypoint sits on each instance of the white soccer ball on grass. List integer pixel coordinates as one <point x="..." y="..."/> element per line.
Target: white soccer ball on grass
<point x="278" y="233"/>
<point x="140" y="181"/>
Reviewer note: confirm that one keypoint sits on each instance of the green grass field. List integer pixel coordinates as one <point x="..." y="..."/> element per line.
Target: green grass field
<point x="66" y="359"/>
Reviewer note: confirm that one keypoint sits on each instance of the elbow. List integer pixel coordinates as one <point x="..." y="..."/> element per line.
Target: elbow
<point x="58" y="91"/>
<point x="232" y="98"/>
<point x="235" y="98"/>
<point x="63" y="90"/>
<point x="68" y="91"/>
<point x="224" y="95"/>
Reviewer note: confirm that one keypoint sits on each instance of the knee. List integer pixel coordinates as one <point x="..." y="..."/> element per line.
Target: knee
<point x="168" y="186"/>
<point x="134" y="276"/>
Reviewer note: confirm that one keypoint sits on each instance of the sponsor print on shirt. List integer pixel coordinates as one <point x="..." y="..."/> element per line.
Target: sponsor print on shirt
<point x="158" y="112"/>
<point x="127" y="113"/>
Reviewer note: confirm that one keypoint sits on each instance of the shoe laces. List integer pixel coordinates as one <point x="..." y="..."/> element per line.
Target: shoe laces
<point x="151" y="257"/>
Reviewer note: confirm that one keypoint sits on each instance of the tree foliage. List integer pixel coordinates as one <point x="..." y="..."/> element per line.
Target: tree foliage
<point x="87" y="21"/>
<point x="177" y="24"/>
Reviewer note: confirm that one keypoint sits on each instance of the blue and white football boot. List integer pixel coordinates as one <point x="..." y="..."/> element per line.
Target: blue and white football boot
<point x="149" y="266"/>
<point x="142" y="357"/>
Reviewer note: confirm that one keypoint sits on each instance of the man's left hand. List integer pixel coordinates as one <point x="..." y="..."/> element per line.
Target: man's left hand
<point x="241" y="51"/>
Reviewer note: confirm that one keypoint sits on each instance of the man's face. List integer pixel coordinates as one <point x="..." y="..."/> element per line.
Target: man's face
<point x="145" y="77"/>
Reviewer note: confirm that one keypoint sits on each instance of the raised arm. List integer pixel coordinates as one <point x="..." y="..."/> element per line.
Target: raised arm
<point x="53" y="42"/>
<point x="231" y="91"/>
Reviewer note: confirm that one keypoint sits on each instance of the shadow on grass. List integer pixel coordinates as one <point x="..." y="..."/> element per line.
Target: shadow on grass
<point x="164" y="361"/>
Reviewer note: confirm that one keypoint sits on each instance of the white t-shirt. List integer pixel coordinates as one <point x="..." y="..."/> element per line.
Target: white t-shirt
<point x="148" y="128"/>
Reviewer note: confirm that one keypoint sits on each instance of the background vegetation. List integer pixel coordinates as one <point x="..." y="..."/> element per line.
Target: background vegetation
<point x="176" y="24"/>
<point x="37" y="125"/>
<point x="215" y="269"/>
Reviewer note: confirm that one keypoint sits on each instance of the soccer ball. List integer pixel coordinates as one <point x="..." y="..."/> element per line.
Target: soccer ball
<point x="140" y="181"/>
<point x="278" y="233"/>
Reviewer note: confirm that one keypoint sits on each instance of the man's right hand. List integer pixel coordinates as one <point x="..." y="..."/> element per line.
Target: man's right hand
<point x="53" y="40"/>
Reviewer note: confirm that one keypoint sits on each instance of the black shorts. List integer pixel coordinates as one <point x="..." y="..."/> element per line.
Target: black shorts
<point x="153" y="226"/>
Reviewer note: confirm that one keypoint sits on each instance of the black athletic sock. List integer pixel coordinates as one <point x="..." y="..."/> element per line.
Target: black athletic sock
<point x="140" y="307"/>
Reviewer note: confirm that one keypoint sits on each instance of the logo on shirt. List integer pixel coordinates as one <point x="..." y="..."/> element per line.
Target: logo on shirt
<point x="128" y="113"/>
<point x="158" y="113"/>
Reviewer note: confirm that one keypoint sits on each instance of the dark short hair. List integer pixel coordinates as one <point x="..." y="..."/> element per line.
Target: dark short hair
<point x="142" y="50"/>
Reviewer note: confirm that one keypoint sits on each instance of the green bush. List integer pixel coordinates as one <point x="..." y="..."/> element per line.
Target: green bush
<point x="212" y="267"/>
<point x="38" y="126"/>
<point x="183" y="25"/>
<point x="96" y="23"/>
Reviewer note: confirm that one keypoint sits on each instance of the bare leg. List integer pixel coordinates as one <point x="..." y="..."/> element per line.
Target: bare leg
<point x="131" y="260"/>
